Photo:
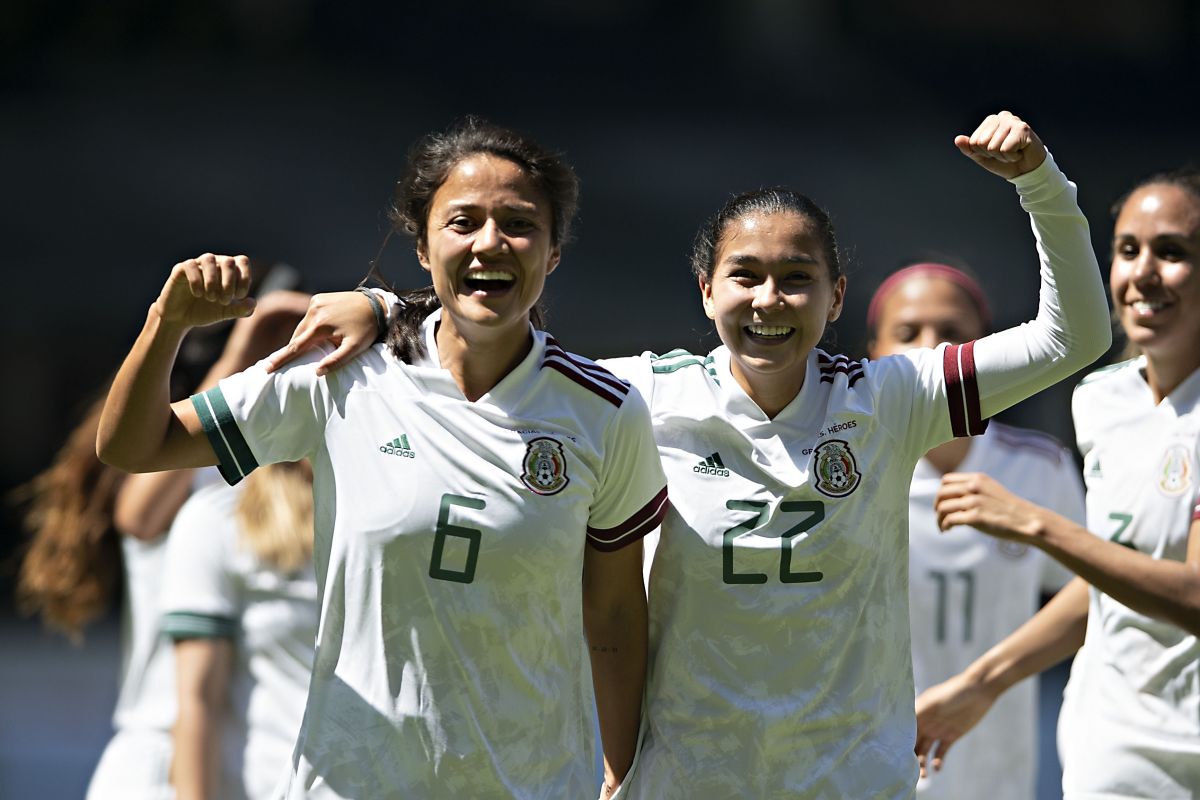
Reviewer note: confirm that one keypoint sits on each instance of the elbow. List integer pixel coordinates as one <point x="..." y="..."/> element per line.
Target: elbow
<point x="136" y="526"/>
<point x="111" y="453"/>
<point x="627" y="612"/>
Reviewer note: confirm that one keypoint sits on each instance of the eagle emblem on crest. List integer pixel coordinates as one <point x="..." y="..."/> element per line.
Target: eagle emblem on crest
<point x="544" y="469"/>
<point x="835" y="468"/>
<point x="1175" y="475"/>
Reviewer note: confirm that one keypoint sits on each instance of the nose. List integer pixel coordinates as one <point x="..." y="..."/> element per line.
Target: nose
<point x="488" y="239"/>
<point x="927" y="337"/>
<point x="1145" y="267"/>
<point x="767" y="294"/>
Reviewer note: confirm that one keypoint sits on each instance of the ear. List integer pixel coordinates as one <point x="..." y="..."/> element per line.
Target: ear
<point x="555" y="257"/>
<point x="706" y="298"/>
<point x="423" y="256"/>
<point x="839" y="297"/>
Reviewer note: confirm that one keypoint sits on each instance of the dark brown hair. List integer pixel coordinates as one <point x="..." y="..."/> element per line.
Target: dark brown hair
<point x="429" y="164"/>
<point x="775" y="200"/>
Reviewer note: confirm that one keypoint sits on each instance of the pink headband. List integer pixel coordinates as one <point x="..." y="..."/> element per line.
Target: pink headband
<point x="929" y="270"/>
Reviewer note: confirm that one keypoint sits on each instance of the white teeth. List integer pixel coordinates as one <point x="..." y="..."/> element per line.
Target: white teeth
<point x="491" y="275"/>
<point x="770" y="330"/>
<point x="1147" y="306"/>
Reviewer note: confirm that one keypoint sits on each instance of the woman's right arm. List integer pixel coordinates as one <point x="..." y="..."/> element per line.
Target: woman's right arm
<point x="202" y="671"/>
<point x="140" y="429"/>
<point x="946" y="712"/>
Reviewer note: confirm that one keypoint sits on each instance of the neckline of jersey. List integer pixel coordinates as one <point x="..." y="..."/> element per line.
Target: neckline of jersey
<point x="438" y="380"/>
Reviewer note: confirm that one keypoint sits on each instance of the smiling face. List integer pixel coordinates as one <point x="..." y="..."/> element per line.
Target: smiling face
<point x="1155" y="275"/>
<point x="924" y="311"/>
<point x="771" y="295"/>
<point x="488" y="244"/>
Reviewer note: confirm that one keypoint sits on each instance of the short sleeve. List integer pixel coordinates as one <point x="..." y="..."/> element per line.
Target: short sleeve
<point x="634" y="370"/>
<point x="200" y="597"/>
<point x="255" y="418"/>
<point x="632" y="496"/>
<point x="928" y="396"/>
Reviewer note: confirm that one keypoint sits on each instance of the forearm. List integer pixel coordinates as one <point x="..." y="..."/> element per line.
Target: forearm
<point x="147" y="503"/>
<point x="1049" y="636"/>
<point x="617" y="645"/>
<point x="194" y="766"/>
<point x="1160" y="588"/>
<point x="137" y="414"/>
<point x="1072" y="328"/>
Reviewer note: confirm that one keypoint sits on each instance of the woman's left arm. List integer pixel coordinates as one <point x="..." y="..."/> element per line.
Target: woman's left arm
<point x="616" y="624"/>
<point x="1072" y="328"/>
<point x="1160" y="588"/>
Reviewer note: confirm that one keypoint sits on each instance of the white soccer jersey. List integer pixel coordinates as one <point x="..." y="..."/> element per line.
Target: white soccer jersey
<point x="1141" y="712"/>
<point x="780" y="660"/>
<point x="449" y="549"/>
<point x="215" y="587"/>
<point x="136" y="760"/>
<point x="780" y="663"/>
<point x="968" y="590"/>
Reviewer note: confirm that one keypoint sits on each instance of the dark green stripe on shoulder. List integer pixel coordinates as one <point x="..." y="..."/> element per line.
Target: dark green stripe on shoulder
<point x="234" y="459"/>
<point x="189" y="625"/>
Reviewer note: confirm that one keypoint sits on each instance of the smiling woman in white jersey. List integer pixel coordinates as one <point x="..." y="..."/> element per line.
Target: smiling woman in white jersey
<point x="780" y="663"/>
<point x="968" y="591"/>
<point x="1132" y="721"/>
<point x="479" y="498"/>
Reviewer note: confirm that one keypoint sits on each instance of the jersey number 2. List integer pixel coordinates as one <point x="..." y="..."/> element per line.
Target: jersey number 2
<point x="816" y="512"/>
<point x="445" y="530"/>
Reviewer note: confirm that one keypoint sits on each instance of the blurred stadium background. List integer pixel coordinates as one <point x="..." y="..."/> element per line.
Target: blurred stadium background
<point x="134" y="134"/>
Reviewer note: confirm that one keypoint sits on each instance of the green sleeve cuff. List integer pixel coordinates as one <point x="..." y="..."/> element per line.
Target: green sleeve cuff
<point x="234" y="459"/>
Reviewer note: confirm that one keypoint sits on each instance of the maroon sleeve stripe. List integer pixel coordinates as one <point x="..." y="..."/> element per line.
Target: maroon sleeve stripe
<point x="854" y="378"/>
<point x="1196" y="513"/>
<point x="641" y="522"/>
<point x="962" y="390"/>
<point x="840" y="370"/>
<point x="583" y="380"/>
<point x="594" y="370"/>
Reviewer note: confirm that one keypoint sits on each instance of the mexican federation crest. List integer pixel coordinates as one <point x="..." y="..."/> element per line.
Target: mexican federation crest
<point x="545" y="466"/>
<point x="835" y="469"/>
<point x="1175" y="474"/>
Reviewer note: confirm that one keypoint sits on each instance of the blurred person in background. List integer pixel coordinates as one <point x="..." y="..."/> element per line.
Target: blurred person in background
<point x="968" y="591"/>
<point x="96" y="530"/>
<point x="1130" y="725"/>
<point x="239" y="601"/>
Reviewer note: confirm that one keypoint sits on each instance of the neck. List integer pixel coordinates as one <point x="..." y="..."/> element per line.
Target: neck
<point x="771" y="393"/>
<point x="479" y="358"/>
<point x="946" y="457"/>
<point x="1163" y="375"/>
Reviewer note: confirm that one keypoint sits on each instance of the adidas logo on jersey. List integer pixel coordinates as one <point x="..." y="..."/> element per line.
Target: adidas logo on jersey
<point x="398" y="447"/>
<point x="712" y="466"/>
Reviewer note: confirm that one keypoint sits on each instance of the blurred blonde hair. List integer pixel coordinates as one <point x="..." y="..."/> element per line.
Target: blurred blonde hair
<point x="275" y="515"/>
<point x="73" y="564"/>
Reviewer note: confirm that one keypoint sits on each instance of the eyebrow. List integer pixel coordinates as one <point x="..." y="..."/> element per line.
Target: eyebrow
<point x="743" y="259"/>
<point x="466" y="205"/>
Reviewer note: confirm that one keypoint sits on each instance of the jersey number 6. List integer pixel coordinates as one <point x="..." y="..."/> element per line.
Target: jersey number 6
<point x="445" y="530"/>
<point x="816" y="512"/>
